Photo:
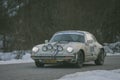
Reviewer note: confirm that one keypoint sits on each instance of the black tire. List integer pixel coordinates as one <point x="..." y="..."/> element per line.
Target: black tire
<point x="80" y="59"/>
<point x="39" y="64"/>
<point x="100" y="58"/>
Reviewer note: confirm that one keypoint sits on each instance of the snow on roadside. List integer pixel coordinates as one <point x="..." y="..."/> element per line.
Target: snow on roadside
<point x="25" y="59"/>
<point x="94" y="75"/>
<point x="115" y="54"/>
<point x="112" y="47"/>
<point x="7" y="56"/>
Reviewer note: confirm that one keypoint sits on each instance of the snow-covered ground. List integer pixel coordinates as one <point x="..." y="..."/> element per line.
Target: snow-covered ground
<point x="25" y="59"/>
<point x="112" y="47"/>
<point x="113" y="54"/>
<point x="94" y="75"/>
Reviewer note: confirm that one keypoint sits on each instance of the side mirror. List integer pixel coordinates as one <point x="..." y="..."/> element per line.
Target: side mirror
<point x="46" y="41"/>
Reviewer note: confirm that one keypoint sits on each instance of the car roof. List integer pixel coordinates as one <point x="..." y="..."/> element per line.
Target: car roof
<point x="72" y="31"/>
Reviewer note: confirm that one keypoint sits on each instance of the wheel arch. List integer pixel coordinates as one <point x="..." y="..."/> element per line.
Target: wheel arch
<point x="103" y="51"/>
<point x="83" y="54"/>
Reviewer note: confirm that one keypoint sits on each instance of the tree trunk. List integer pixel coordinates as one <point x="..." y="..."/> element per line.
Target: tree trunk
<point x="4" y="43"/>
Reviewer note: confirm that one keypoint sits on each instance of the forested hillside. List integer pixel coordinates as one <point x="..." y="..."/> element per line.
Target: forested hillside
<point x="25" y="23"/>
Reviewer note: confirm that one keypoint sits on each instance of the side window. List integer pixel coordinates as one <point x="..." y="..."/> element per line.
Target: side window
<point x="94" y="38"/>
<point x="89" y="37"/>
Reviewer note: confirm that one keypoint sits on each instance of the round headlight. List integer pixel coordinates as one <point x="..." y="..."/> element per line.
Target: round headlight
<point x="70" y="49"/>
<point x="60" y="48"/>
<point x="44" y="48"/>
<point x="49" y="46"/>
<point x="35" y="49"/>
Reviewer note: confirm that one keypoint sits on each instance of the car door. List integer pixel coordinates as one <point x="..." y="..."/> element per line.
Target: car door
<point x="91" y="46"/>
<point x="95" y="45"/>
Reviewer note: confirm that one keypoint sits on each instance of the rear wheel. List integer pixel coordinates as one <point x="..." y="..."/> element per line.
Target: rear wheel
<point x="38" y="63"/>
<point x="100" y="59"/>
<point x="80" y="59"/>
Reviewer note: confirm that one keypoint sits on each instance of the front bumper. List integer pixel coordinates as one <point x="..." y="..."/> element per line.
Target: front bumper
<point x="55" y="59"/>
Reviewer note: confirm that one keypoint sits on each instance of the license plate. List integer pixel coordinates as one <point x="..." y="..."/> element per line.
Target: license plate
<point x="50" y="61"/>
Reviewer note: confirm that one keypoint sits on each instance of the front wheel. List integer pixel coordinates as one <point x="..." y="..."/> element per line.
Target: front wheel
<point x="38" y="64"/>
<point x="100" y="59"/>
<point x="80" y="59"/>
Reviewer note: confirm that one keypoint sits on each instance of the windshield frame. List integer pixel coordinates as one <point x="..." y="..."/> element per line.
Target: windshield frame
<point x="68" y="34"/>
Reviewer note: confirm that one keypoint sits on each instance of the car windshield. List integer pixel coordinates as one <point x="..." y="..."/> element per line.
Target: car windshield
<point x="68" y="38"/>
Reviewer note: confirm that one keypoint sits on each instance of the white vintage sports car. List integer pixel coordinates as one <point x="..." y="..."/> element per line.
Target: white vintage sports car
<point x="70" y="46"/>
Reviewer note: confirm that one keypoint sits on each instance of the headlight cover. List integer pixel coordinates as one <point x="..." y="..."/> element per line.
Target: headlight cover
<point x="49" y="46"/>
<point x="60" y="48"/>
<point x="70" y="49"/>
<point x="35" y="49"/>
<point x="44" y="48"/>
